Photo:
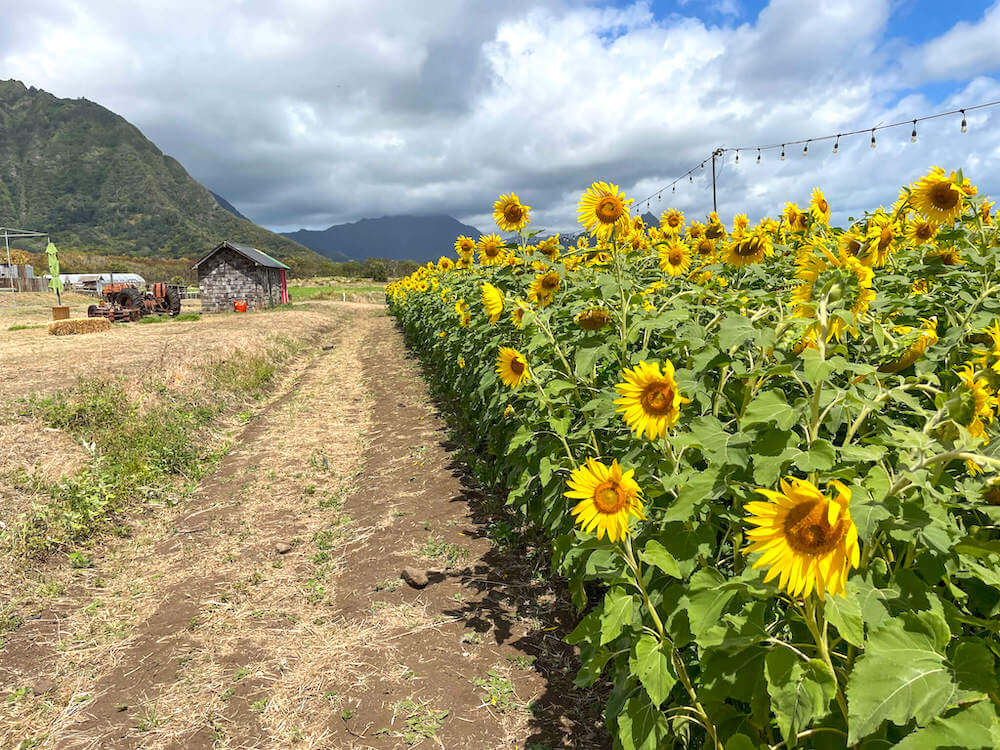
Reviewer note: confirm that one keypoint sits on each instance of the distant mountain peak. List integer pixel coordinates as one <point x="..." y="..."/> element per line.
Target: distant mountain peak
<point x="421" y="237"/>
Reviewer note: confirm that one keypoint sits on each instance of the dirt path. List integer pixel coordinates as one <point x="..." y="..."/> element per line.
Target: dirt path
<point x="268" y="611"/>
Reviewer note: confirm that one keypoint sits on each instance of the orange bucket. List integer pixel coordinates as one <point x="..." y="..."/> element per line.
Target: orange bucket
<point x="240" y="305"/>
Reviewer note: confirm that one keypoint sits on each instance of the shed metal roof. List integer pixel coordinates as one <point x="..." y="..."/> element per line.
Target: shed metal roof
<point x="250" y="253"/>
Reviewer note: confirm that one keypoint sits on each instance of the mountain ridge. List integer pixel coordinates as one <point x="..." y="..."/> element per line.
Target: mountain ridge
<point x="95" y="183"/>
<point x="420" y="238"/>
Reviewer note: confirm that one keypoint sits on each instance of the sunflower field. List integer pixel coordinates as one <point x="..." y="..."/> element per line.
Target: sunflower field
<point x="765" y="456"/>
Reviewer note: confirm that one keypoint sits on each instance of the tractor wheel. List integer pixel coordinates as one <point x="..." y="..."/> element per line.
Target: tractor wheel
<point x="129" y="297"/>
<point x="173" y="300"/>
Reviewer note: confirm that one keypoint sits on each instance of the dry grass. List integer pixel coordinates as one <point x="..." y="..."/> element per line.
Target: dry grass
<point x="78" y="325"/>
<point x="253" y="617"/>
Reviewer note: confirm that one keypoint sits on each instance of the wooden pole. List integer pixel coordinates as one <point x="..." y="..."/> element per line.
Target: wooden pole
<point x="715" y="204"/>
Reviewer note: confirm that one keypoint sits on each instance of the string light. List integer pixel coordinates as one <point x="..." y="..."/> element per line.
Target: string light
<point x="836" y="141"/>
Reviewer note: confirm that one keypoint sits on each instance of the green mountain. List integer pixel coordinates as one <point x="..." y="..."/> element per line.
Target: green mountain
<point x="96" y="184"/>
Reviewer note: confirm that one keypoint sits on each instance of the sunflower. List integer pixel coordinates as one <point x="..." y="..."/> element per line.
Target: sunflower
<point x="638" y="240"/>
<point x="920" y="286"/>
<point x="593" y="318"/>
<point x="543" y="288"/>
<point x="795" y="219"/>
<point x="705" y="249"/>
<point x="461" y="362"/>
<point x="844" y="282"/>
<point x="422" y="285"/>
<point x="608" y="498"/>
<point x="851" y="243"/>
<point x="819" y="208"/>
<point x="740" y="225"/>
<point x="490" y="250"/>
<point x="512" y="367"/>
<point x="809" y="540"/>
<point x="984" y="213"/>
<point x="464" y="316"/>
<point x="972" y="403"/>
<point x="696" y="231"/>
<point x="602" y="208"/>
<point x="445" y="264"/>
<point x="920" y="231"/>
<point x="672" y="221"/>
<point x="675" y="257"/>
<point x="715" y="229"/>
<point x="465" y="246"/>
<point x="650" y="399"/>
<point x="749" y="250"/>
<point x="881" y="239"/>
<point x="493" y="302"/>
<point x="517" y="314"/>
<point x="510" y="214"/>
<point x="583" y="242"/>
<point x="913" y="345"/>
<point x="549" y="247"/>
<point x="948" y="256"/>
<point x="938" y="197"/>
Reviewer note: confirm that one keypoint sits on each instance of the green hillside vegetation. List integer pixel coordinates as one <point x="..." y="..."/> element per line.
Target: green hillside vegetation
<point x="77" y="170"/>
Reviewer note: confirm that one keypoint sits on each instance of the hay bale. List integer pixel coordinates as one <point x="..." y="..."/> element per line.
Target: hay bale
<point x="79" y="325"/>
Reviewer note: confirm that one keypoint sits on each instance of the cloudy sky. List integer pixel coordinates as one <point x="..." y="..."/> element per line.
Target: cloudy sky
<point x="306" y="113"/>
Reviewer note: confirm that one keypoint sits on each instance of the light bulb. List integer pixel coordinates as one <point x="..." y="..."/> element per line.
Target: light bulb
<point x="673" y="189"/>
<point x="836" y="144"/>
<point x="758" y="156"/>
<point x="805" y="149"/>
<point x="737" y="157"/>
<point x="913" y="135"/>
<point x="690" y="178"/>
<point x="782" y="151"/>
<point x="965" y="124"/>
<point x="873" y="139"/>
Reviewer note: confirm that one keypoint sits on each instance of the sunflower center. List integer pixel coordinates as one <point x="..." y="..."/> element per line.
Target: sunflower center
<point x="609" y="209"/>
<point x="885" y="238"/>
<point x="823" y="206"/>
<point x="513" y="213"/>
<point x="517" y="366"/>
<point x="674" y="221"/>
<point x="491" y="251"/>
<point x="657" y="398"/>
<point x="714" y="231"/>
<point x="924" y="231"/>
<point x="676" y="257"/>
<point x="550" y="282"/>
<point x="807" y="529"/>
<point x="853" y="247"/>
<point x="747" y="248"/>
<point x="943" y="197"/>
<point x="609" y="497"/>
<point x="705" y="247"/>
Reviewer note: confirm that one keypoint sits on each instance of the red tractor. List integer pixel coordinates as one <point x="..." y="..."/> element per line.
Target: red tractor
<point x="121" y="303"/>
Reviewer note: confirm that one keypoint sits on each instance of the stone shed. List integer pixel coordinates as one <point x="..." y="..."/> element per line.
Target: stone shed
<point x="232" y="272"/>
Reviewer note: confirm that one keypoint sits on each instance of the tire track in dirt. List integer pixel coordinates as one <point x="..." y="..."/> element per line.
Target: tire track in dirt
<point x="215" y="640"/>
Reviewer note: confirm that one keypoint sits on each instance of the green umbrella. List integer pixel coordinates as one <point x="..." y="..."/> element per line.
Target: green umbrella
<point x="56" y="283"/>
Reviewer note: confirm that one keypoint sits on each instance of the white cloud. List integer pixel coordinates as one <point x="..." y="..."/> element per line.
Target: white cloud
<point x="966" y="49"/>
<point x="310" y="113"/>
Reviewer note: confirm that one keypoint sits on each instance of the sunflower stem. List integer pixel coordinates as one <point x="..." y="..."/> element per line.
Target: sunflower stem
<point x="633" y="564"/>
<point x="813" y="616"/>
